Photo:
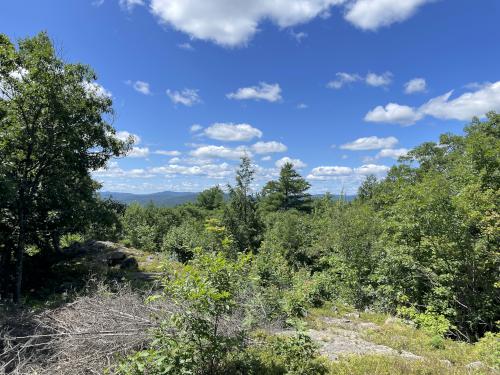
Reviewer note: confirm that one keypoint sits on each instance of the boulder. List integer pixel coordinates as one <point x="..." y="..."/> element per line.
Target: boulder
<point x="129" y="264"/>
<point x="114" y="258"/>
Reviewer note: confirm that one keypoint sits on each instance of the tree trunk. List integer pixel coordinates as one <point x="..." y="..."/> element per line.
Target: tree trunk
<point x="21" y="244"/>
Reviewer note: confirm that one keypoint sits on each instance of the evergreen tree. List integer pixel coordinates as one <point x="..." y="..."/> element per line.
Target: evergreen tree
<point x="240" y="215"/>
<point x="289" y="192"/>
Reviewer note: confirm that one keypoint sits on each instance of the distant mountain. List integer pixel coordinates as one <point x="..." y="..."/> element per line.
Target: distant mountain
<point x="164" y="198"/>
<point x="173" y="198"/>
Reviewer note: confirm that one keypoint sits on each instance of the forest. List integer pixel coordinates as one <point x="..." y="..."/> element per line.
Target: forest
<point x="243" y="275"/>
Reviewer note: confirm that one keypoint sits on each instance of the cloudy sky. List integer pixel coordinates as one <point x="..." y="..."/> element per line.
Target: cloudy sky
<point x="340" y="88"/>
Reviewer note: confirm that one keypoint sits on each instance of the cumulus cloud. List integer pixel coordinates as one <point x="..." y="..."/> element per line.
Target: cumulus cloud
<point x="343" y="173"/>
<point x="263" y="91"/>
<point x="370" y="143"/>
<point x="378" y="80"/>
<point x="232" y="132"/>
<point x="415" y="85"/>
<point x="371" y="79"/>
<point x="93" y="88"/>
<point x="268" y="147"/>
<point x="374" y="14"/>
<point x="167" y="152"/>
<point x="328" y="171"/>
<point x="124" y="136"/>
<point x="297" y="163"/>
<point x="234" y="23"/>
<point x="393" y="153"/>
<point x="477" y="103"/>
<point x="195" y="128"/>
<point x="467" y="105"/>
<point x="219" y="152"/>
<point x="142" y="87"/>
<point x="394" y="113"/>
<point x="208" y="170"/>
<point x="138" y="152"/>
<point x="187" y="97"/>
<point x="343" y="79"/>
<point x="374" y="169"/>
<point x="113" y="170"/>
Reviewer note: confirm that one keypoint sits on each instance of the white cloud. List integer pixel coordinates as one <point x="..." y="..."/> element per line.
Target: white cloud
<point x="187" y="97"/>
<point x="232" y="132"/>
<point x="486" y="98"/>
<point x="93" y="88"/>
<point x="167" y="152"/>
<point x="195" y="127"/>
<point x="265" y="158"/>
<point x="142" y="87"/>
<point x="219" y="152"/>
<point x="233" y="23"/>
<point x="393" y="153"/>
<point x="466" y="106"/>
<point x="208" y="170"/>
<point x="415" y="85"/>
<point x="346" y="174"/>
<point x="113" y="170"/>
<point x="138" y="152"/>
<point x="125" y="136"/>
<point x="394" y="113"/>
<point x="268" y="147"/>
<point x="343" y="79"/>
<point x="131" y="4"/>
<point x="186" y="46"/>
<point x="378" y="80"/>
<point x="371" y="79"/>
<point x="373" y="14"/>
<point x="370" y="143"/>
<point x="263" y="91"/>
<point x="297" y="163"/>
<point x="302" y="106"/>
<point x="328" y="171"/>
<point x="298" y="36"/>
<point x="374" y="169"/>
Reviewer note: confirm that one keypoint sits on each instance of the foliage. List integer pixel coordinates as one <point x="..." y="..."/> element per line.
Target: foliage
<point x="211" y="199"/>
<point x="55" y="131"/>
<point x="240" y="214"/>
<point x="199" y="337"/>
<point x="289" y="192"/>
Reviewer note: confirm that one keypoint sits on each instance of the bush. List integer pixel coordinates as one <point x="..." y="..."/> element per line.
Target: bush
<point x="204" y="334"/>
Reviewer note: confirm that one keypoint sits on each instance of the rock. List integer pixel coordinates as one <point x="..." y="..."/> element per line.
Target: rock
<point x="446" y="362"/>
<point x="408" y="355"/>
<point x="391" y="320"/>
<point x="354" y="315"/>
<point x="115" y="258"/>
<point x="129" y="264"/>
<point x="475" y="365"/>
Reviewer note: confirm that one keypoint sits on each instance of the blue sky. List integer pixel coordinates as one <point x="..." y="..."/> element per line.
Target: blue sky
<point x="339" y="87"/>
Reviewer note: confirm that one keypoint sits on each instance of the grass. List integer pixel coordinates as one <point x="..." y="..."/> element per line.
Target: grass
<point x="441" y="355"/>
<point x="384" y="365"/>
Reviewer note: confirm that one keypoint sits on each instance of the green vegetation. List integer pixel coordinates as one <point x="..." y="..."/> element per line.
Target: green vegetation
<point x="421" y="244"/>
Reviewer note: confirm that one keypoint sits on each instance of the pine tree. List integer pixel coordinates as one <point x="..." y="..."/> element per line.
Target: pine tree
<point x="289" y="192"/>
